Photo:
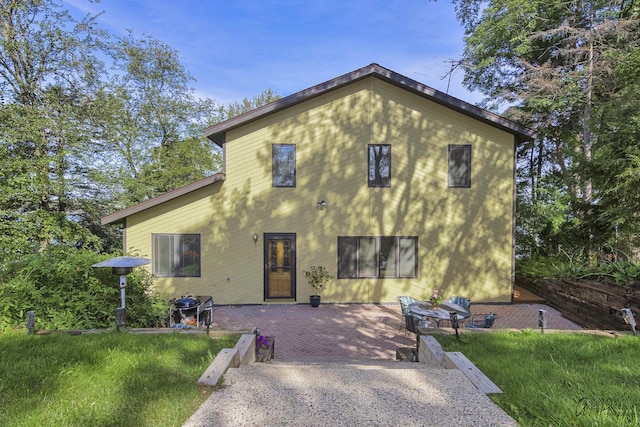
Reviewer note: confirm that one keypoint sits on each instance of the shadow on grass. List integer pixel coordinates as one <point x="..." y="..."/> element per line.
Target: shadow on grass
<point x="105" y="379"/>
<point x="559" y="379"/>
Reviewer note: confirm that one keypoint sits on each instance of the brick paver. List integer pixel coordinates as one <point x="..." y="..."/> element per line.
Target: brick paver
<point x="355" y="331"/>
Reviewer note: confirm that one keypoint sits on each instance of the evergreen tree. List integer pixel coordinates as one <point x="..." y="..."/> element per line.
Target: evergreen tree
<point x="550" y="62"/>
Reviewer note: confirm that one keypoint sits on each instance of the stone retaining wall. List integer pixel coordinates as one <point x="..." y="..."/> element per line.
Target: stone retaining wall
<point x="592" y="305"/>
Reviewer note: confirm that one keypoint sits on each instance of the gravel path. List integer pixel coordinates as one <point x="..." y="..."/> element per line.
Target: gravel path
<point x="369" y="394"/>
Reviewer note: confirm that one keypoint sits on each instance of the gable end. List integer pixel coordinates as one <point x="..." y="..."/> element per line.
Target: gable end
<point x="217" y="132"/>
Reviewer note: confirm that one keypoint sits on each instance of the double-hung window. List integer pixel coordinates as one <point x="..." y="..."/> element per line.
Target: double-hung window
<point x="379" y="165"/>
<point x="377" y="257"/>
<point x="283" y="165"/>
<point x="460" y="165"/>
<point x="176" y="255"/>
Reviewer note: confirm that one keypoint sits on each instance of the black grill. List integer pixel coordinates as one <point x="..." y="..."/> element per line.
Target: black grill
<point x="186" y="302"/>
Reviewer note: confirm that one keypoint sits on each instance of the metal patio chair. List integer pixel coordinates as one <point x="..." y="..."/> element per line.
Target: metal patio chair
<point x="411" y="321"/>
<point x="481" y="321"/>
<point x="461" y="301"/>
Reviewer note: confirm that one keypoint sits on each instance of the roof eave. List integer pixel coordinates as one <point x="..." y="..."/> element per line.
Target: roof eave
<point x="217" y="132"/>
<point x="486" y="116"/>
<point x="120" y="216"/>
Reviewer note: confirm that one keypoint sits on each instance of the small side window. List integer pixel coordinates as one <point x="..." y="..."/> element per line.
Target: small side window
<point x="283" y="165"/>
<point x="379" y="165"/>
<point x="460" y="165"/>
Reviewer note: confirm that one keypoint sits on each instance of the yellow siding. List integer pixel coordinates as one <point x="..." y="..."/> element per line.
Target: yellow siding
<point x="465" y="234"/>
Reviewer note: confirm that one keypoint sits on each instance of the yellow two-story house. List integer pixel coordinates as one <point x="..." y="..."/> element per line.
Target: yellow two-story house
<point x="397" y="188"/>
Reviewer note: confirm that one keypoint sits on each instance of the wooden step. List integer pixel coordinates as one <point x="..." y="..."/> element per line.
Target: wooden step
<point x="457" y="360"/>
<point x="226" y="358"/>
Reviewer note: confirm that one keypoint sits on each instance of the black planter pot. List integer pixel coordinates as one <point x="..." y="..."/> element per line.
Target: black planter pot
<point x="315" y="300"/>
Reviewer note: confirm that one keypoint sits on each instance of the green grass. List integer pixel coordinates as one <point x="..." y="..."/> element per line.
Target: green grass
<point x="559" y="379"/>
<point x="106" y="379"/>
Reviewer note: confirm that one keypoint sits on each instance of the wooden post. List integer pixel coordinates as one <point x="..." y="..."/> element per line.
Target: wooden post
<point x="31" y="321"/>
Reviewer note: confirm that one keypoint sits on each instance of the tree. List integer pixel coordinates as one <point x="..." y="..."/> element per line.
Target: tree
<point x="152" y="124"/>
<point x="80" y="138"/>
<point x="616" y="165"/>
<point x="550" y="61"/>
<point x="47" y="72"/>
<point x="225" y="112"/>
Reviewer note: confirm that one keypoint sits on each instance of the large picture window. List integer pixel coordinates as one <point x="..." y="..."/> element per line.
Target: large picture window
<point x="377" y="257"/>
<point x="283" y="165"/>
<point x="176" y="255"/>
<point x="379" y="165"/>
<point x="460" y="165"/>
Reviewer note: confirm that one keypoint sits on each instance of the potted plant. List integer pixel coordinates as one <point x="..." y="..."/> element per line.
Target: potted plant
<point x="435" y="299"/>
<point x="317" y="276"/>
<point x="264" y="348"/>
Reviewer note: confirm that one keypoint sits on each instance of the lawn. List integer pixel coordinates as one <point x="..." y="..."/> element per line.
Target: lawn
<point x="559" y="379"/>
<point x="105" y="379"/>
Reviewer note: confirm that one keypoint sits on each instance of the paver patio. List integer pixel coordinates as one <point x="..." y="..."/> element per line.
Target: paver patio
<point x="352" y="332"/>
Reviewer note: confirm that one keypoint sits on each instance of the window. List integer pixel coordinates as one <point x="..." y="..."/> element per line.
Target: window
<point x="377" y="257"/>
<point x="379" y="165"/>
<point x="460" y="166"/>
<point x="176" y="255"/>
<point x="283" y="165"/>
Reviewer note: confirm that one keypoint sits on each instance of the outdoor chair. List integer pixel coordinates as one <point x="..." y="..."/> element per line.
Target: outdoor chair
<point x="481" y="321"/>
<point x="461" y="301"/>
<point x="411" y="321"/>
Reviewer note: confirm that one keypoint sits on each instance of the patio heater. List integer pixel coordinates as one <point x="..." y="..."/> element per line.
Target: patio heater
<point x="121" y="266"/>
<point x="627" y="315"/>
<point x="542" y="319"/>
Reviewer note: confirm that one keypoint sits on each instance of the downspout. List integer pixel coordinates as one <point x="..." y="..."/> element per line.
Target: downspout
<point x="513" y="217"/>
<point x="124" y="236"/>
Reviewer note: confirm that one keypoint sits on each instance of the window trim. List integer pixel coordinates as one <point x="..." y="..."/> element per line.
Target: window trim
<point x="274" y="174"/>
<point x="378" y="240"/>
<point x="372" y="183"/>
<point x="177" y="254"/>
<point x="467" y="180"/>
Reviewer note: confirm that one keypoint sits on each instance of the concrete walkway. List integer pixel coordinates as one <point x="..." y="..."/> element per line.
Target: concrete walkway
<point x="335" y="365"/>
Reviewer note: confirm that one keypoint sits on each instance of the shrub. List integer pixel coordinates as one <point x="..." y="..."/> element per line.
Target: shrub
<point x="618" y="270"/>
<point x="67" y="293"/>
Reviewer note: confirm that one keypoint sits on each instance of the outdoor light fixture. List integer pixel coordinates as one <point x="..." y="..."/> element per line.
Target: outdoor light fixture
<point x="121" y="266"/>
<point x="255" y="237"/>
<point x="453" y="316"/>
<point x="542" y="319"/>
<point x="321" y="204"/>
<point x="627" y="315"/>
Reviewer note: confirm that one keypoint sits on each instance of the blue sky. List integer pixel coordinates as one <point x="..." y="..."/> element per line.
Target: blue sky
<point x="237" y="49"/>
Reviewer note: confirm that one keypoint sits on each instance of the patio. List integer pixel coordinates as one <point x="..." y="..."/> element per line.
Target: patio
<point x="356" y="332"/>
